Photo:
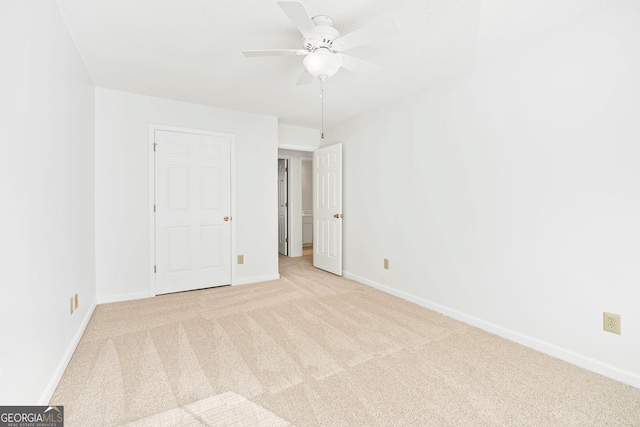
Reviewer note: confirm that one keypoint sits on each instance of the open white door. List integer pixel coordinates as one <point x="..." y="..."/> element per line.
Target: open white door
<point x="283" y="207"/>
<point x="327" y="208"/>
<point x="193" y="209"/>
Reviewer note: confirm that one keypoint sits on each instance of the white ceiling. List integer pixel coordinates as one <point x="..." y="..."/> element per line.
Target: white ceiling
<point x="190" y="50"/>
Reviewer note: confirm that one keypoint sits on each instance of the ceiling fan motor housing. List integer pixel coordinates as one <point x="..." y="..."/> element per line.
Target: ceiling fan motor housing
<point x="326" y="32"/>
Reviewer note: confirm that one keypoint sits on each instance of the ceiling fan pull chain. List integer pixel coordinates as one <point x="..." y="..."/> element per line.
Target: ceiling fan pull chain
<point x="322" y="109"/>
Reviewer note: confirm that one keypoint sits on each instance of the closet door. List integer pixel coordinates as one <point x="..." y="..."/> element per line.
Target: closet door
<point x="193" y="209"/>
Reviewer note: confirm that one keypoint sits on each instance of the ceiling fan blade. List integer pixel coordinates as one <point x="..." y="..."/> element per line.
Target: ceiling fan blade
<point x="275" y="52"/>
<point x="357" y="65"/>
<point x="296" y="11"/>
<point x="305" y="78"/>
<point x="371" y="33"/>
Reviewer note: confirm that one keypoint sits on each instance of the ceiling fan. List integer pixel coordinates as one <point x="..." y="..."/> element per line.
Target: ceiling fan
<point x="323" y="45"/>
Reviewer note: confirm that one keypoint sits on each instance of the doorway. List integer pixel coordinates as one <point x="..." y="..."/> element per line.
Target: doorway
<point x="295" y="194"/>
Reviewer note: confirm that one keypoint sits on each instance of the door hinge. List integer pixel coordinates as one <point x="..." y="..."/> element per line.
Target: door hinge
<point x="154" y="146"/>
<point x="286" y="205"/>
<point x="154" y="207"/>
<point x="286" y="240"/>
<point x="154" y="268"/>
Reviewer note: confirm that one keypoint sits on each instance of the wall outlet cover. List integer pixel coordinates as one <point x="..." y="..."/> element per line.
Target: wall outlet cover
<point x="611" y="322"/>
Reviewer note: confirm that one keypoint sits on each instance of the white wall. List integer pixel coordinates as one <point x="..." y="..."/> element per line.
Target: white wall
<point x="509" y="196"/>
<point x="46" y="183"/>
<point x="298" y="138"/>
<point x="307" y="185"/>
<point x="122" y="187"/>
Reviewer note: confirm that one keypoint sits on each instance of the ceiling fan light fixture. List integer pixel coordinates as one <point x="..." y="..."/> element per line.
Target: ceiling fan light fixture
<point x="322" y="63"/>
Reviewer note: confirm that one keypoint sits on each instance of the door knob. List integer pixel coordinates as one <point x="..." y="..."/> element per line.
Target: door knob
<point x="226" y="218"/>
<point x="336" y="216"/>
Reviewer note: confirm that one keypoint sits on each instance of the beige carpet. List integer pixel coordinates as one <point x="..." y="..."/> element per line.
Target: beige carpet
<point x="314" y="349"/>
<point x="222" y="410"/>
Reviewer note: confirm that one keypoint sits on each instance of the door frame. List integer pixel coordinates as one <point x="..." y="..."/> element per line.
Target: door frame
<point x="152" y="194"/>
<point x="288" y="204"/>
<point x="295" y="192"/>
<point x="294" y="221"/>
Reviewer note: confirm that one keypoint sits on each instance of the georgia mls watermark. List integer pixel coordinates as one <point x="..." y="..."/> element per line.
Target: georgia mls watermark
<point x="31" y="416"/>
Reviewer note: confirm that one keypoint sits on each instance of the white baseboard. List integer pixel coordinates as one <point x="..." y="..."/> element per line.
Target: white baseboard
<point x="104" y="299"/>
<point x="45" y="398"/>
<point x="256" y="279"/>
<point x="561" y="353"/>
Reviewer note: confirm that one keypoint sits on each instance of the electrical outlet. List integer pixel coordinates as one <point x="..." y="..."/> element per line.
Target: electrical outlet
<point x="611" y="322"/>
<point x="386" y="264"/>
<point x="240" y="259"/>
<point x="71" y="306"/>
<point x="75" y="302"/>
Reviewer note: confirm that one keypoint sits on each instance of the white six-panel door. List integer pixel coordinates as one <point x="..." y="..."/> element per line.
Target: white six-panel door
<point x="327" y="208"/>
<point x="193" y="209"/>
